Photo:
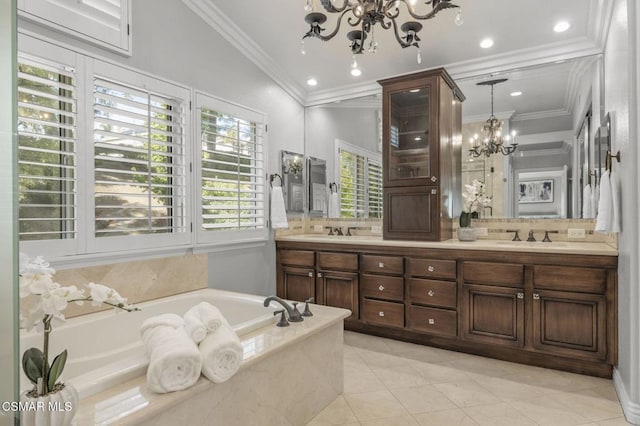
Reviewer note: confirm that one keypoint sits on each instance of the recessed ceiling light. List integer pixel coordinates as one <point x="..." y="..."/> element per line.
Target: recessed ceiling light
<point x="516" y="93"/>
<point x="486" y="43"/>
<point x="561" y="26"/>
<point x="312" y="82"/>
<point x="356" y="72"/>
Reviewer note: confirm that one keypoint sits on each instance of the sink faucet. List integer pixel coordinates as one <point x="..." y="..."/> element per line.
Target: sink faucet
<point x="531" y="238"/>
<point x="338" y="231"/>
<point x="294" y="314"/>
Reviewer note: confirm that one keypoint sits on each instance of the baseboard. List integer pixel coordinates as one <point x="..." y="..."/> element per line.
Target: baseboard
<point x="631" y="409"/>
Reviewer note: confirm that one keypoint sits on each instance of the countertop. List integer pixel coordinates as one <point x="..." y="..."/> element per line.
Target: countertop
<point x="560" y="247"/>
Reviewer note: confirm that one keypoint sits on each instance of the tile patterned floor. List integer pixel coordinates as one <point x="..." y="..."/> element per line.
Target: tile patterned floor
<point x="391" y="383"/>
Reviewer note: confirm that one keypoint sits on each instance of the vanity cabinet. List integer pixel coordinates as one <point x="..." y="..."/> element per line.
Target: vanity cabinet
<point x="422" y="120"/>
<point x="551" y="310"/>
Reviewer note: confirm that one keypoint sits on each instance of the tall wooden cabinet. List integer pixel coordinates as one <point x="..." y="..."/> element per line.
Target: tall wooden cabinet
<point x="422" y="125"/>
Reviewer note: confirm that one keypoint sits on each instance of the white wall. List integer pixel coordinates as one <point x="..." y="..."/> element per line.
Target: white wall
<point x="8" y="198"/>
<point x="196" y="55"/>
<point x="620" y="88"/>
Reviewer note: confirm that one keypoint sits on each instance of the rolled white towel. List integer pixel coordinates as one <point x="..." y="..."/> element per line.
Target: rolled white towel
<point x="194" y="326"/>
<point x="222" y="354"/>
<point x="211" y="316"/>
<point x="175" y="362"/>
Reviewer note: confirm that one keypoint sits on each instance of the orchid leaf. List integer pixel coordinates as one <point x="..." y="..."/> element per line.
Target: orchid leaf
<point x="32" y="360"/>
<point x="56" y="369"/>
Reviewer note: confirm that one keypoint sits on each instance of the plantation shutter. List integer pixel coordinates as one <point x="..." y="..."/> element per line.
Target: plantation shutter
<point x="232" y="170"/>
<point x="352" y="185"/>
<point x="374" y="188"/>
<point x="140" y="173"/>
<point x="46" y="151"/>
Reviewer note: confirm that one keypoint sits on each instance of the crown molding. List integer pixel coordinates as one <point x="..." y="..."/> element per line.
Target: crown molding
<point x="222" y="24"/>
<point x="565" y="150"/>
<point x="342" y="93"/>
<point x="481" y="118"/>
<point x="600" y="15"/>
<point x="538" y="115"/>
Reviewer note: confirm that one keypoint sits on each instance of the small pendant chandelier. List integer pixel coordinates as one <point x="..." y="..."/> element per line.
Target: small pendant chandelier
<point x="491" y="141"/>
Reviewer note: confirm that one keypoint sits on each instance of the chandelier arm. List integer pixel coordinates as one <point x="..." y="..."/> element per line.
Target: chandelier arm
<point x="386" y="25"/>
<point x="353" y="24"/>
<point x="441" y="5"/>
<point x="387" y="10"/>
<point x="329" y="7"/>
<point x="398" y="38"/>
<point x="335" y="31"/>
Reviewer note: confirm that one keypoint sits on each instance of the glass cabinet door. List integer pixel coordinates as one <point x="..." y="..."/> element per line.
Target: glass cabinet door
<point x="409" y="134"/>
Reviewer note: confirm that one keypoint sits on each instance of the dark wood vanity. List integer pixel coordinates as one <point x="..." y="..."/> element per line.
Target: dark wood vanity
<point x="547" y="309"/>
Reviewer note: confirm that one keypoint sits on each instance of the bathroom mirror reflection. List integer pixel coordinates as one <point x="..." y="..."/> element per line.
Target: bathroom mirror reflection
<point x="317" y="172"/>
<point x="293" y="182"/>
<point x="555" y="102"/>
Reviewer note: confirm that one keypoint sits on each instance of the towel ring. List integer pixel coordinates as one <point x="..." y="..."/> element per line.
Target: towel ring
<point x="609" y="159"/>
<point x="333" y="186"/>
<point x="272" y="177"/>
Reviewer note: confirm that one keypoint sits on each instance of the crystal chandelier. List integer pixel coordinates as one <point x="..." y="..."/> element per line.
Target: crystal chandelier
<point x="365" y="14"/>
<point x="492" y="141"/>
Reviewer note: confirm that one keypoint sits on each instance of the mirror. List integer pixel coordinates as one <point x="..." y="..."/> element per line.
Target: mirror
<point x="317" y="170"/>
<point x="558" y="99"/>
<point x="293" y="185"/>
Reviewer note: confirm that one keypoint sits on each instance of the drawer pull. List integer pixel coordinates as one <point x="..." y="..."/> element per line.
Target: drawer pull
<point x="381" y="313"/>
<point x="536" y="296"/>
<point x="380" y="265"/>
<point x="431" y="268"/>
<point x="520" y="295"/>
<point x="319" y="274"/>
<point x="434" y="179"/>
<point x="381" y="288"/>
<point x="310" y="274"/>
<point x="432" y="321"/>
<point x="431" y="293"/>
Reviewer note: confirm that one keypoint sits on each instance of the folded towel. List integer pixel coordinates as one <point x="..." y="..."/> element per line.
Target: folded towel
<point x="587" y="199"/>
<point x="616" y="214"/>
<point x="334" y="205"/>
<point x="167" y="320"/>
<point x="175" y="362"/>
<point x="222" y="354"/>
<point x="605" y="206"/>
<point x="210" y="316"/>
<point x="194" y="326"/>
<point x="278" y="212"/>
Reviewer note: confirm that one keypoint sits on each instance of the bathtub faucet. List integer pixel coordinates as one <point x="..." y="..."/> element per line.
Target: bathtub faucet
<point x="294" y="313"/>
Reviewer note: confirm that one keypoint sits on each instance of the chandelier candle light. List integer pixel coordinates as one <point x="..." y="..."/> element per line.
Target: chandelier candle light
<point x="492" y="141"/>
<point x="365" y="14"/>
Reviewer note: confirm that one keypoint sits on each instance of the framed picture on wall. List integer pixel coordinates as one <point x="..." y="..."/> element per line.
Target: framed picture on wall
<point x="536" y="191"/>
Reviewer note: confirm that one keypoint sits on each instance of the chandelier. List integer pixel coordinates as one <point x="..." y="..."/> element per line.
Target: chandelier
<point x="365" y="14"/>
<point x="492" y="141"/>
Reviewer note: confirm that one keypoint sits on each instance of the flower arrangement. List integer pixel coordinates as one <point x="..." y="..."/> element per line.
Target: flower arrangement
<point x="36" y="279"/>
<point x="474" y="199"/>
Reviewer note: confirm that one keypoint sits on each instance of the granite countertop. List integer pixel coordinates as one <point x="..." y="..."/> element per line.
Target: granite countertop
<point x="560" y="247"/>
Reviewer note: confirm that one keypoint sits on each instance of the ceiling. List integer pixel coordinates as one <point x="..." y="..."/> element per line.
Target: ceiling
<point x="522" y="30"/>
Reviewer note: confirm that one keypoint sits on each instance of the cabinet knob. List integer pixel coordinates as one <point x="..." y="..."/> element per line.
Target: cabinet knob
<point x="431" y="293"/>
<point x="520" y="295"/>
<point x="319" y="274"/>
<point x="310" y="274"/>
<point x="380" y="265"/>
<point x="434" y="179"/>
<point x="381" y="313"/>
<point x="431" y="321"/>
<point x="431" y="268"/>
<point x="381" y="288"/>
<point x="536" y="296"/>
<point x="434" y="191"/>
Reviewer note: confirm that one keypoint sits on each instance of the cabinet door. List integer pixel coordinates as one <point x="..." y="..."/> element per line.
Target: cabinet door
<point x="297" y="283"/>
<point x="571" y="324"/>
<point x="339" y="289"/>
<point x="493" y="315"/>
<point x="411" y="213"/>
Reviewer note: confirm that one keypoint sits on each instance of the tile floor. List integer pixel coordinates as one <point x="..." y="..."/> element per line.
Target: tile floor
<point x="391" y="383"/>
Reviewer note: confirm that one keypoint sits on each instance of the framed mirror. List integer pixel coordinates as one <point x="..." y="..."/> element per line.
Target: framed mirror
<point x="293" y="182"/>
<point x="317" y="178"/>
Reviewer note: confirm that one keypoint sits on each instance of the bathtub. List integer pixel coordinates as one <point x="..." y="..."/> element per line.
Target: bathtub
<point x="105" y="349"/>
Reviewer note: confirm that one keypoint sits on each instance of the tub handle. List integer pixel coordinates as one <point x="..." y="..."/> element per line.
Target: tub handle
<point x="283" y="319"/>
<point x="307" y="312"/>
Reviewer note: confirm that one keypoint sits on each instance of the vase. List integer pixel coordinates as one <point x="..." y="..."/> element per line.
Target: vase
<point x="466" y="234"/>
<point x="465" y="219"/>
<point x="55" y="408"/>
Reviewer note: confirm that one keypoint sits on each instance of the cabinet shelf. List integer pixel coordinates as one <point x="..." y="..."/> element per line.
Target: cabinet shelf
<point x="411" y="151"/>
<point x="414" y="132"/>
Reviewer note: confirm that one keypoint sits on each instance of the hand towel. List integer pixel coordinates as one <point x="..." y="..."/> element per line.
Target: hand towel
<point x="596" y="199"/>
<point x="222" y="354"/>
<point x="211" y="316"/>
<point x="175" y="362"/>
<point x="334" y="205"/>
<point x="616" y="214"/>
<point x="194" y="326"/>
<point x="278" y="212"/>
<point x="605" y="207"/>
<point x="587" y="198"/>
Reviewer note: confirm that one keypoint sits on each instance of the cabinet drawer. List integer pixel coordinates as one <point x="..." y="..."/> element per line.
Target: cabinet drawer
<point x="566" y="278"/>
<point x="499" y="274"/>
<point x="432" y="268"/>
<point x="435" y="321"/>
<point x="431" y="292"/>
<point x="296" y="257"/>
<point x="339" y="261"/>
<point x="382" y="287"/>
<point x="382" y="313"/>
<point x="382" y="264"/>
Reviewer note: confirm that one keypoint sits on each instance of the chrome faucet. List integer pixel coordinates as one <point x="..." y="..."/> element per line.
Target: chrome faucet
<point x="294" y="314"/>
